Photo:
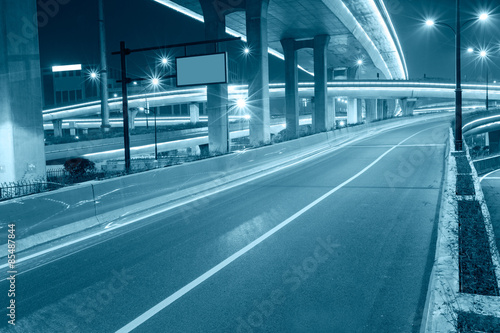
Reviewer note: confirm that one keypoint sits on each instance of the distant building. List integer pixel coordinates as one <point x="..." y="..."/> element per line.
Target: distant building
<point x="71" y="84"/>
<point x="63" y="85"/>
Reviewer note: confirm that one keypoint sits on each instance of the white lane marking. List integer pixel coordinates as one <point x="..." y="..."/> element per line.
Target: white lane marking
<point x="486" y="175"/>
<point x="191" y="285"/>
<point x="401" y="146"/>
<point x="115" y="224"/>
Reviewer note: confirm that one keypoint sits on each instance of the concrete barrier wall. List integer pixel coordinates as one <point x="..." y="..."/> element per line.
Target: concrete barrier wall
<point x="36" y="214"/>
<point x="486" y="165"/>
<point x="65" y="211"/>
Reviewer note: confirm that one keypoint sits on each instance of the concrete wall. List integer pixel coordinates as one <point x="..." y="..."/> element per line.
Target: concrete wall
<point x="21" y="125"/>
<point x="486" y="165"/>
<point x="44" y="217"/>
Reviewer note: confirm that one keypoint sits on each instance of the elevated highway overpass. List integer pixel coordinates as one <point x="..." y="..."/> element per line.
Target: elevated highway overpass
<point x="488" y="124"/>
<point x="322" y="37"/>
<point x="368" y="90"/>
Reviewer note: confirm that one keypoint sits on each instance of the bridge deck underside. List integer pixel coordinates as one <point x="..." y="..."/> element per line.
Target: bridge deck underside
<point x="306" y="19"/>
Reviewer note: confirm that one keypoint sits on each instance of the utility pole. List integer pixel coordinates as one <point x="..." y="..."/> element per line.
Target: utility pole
<point x="104" y="71"/>
<point x="126" y="133"/>
<point x="458" y="88"/>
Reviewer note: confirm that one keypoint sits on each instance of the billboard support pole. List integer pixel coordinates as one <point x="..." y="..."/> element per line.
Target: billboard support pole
<point x="126" y="133"/>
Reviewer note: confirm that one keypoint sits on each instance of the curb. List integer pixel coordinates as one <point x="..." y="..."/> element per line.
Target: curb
<point x="444" y="301"/>
<point x="322" y="143"/>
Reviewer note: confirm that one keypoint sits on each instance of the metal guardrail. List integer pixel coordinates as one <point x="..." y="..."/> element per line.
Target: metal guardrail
<point x="26" y="187"/>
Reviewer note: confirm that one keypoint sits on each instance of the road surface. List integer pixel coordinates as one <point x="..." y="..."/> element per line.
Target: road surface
<point x="490" y="184"/>
<point x="341" y="243"/>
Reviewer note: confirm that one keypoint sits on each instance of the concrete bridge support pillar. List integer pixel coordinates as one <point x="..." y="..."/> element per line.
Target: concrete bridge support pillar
<point x="352" y="111"/>
<point x="408" y="105"/>
<point x="72" y="128"/>
<point x="22" y="154"/>
<point x="381" y="109"/>
<point x="291" y="89"/>
<point x="194" y="113"/>
<point x="58" y="129"/>
<point x="320" y="117"/>
<point x="371" y="110"/>
<point x="330" y="114"/>
<point x="258" y="88"/>
<point x="359" y="110"/>
<point x="131" y="118"/>
<point x="391" y="108"/>
<point x="494" y="139"/>
<point x="217" y="95"/>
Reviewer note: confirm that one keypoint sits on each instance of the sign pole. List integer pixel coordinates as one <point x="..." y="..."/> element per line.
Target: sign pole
<point x="126" y="133"/>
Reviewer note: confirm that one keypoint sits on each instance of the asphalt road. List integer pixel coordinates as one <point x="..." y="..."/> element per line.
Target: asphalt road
<point x="343" y="243"/>
<point x="491" y="189"/>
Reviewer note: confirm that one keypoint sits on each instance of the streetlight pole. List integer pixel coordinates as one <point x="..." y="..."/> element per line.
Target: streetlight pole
<point x="458" y="71"/>
<point x="458" y="88"/>
<point x="156" y="138"/>
<point x="104" y="71"/>
<point x="487" y="101"/>
<point x="126" y="134"/>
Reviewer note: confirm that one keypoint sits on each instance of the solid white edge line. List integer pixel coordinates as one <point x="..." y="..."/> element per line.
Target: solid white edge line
<point x="191" y="285"/>
<point x="486" y="175"/>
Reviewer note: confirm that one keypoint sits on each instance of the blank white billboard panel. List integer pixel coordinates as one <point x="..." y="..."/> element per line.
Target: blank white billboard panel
<point x="201" y="70"/>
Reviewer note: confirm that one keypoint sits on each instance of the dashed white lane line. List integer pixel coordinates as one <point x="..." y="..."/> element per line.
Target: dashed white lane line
<point x="190" y="286"/>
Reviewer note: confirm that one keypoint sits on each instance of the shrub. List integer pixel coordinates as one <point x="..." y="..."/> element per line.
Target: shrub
<point x="79" y="166"/>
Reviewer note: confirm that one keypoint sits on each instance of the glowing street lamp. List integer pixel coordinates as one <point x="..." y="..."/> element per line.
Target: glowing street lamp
<point x="241" y="103"/>
<point x="484" y="55"/>
<point x="458" y="69"/>
<point x="470" y="50"/>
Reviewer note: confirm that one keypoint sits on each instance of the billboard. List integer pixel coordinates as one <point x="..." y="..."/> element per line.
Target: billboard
<point x="202" y="69"/>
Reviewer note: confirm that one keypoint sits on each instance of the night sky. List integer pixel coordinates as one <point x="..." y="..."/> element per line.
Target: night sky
<point x="71" y="35"/>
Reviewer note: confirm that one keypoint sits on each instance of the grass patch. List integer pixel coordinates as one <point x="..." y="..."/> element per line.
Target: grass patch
<point x="463" y="165"/>
<point x="472" y="322"/>
<point x="465" y="185"/>
<point x="477" y="275"/>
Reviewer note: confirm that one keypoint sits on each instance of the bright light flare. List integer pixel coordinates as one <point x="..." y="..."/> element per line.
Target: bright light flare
<point x="483" y="54"/>
<point x="155" y="81"/>
<point x="359" y="62"/>
<point x="483" y="16"/>
<point x="429" y="23"/>
<point x="241" y="103"/>
<point x="470" y="50"/>
<point x="93" y="75"/>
